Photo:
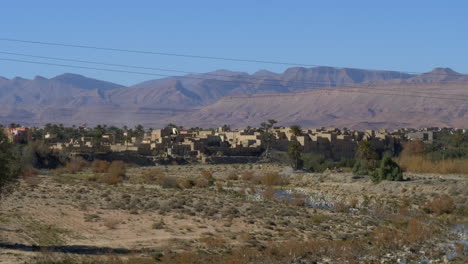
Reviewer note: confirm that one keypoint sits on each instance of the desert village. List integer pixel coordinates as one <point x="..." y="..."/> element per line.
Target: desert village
<point x="223" y="145"/>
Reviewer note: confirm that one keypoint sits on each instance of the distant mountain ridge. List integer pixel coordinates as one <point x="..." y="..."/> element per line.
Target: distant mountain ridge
<point x="72" y="99"/>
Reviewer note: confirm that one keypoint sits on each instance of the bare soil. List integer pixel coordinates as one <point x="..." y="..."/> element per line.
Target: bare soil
<point x="58" y="215"/>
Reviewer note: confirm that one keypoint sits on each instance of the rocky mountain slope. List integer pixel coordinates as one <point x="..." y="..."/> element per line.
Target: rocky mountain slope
<point x="236" y="98"/>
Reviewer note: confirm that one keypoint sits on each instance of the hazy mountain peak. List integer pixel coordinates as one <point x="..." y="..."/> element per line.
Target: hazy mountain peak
<point x="224" y="72"/>
<point x="38" y="77"/>
<point x="264" y="73"/>
<point x="85" y="82"/>
<point x="444" y="71"/>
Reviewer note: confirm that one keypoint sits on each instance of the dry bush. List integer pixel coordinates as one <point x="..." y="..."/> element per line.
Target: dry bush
<point x="420" y="164"/>
<point x="417" y="231"/>
<point x="111" y="223"/>
<point x="341" y="207"/>
<point x="442" y="204"/>
<point x="202" y="182"/>
<point x="273" y="178"/>
<point x="212" y="241"/>
<point x="115" y="173"/>
<point x="247" y="176"/>
<point x="30" y="177"/>
<point x="185" y="183"/>
<point x="158" y="224"/>
<point x="232" y="176"/>
<point x="168" y="182"/>
<point x="298" y="199"/>
<point x="269" y="193"/>
<point x="100" y="166"/>
<point x="219" y="185"/>
<point x="117" y="168"/>
<point x="76" y="164"/>
<point x="110" y="179"/>
<point x="353" y="202"/>
<point x="414" y="148"/>
<point x="152" y="175"/>
<point x="206" y="174"/>
<point x="388" y="238"/>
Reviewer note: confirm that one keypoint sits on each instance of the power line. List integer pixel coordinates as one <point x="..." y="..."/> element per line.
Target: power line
<point x="155" y="74"/>
<point x="200" y="56"/>
<point x="341" y="86"/>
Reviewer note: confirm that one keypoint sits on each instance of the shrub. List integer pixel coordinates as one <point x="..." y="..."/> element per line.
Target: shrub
<point x="167" y="181"/>
<point x="158" y="225"/>
<point x="206" y="174"/>
<point x="111" y="223"/>
<point x="442" y="204"/>
<point x="202" y="182"/>
<point x="152" y="175"/>
<point x="232" y="176"/>
<point x="414" y="148"/>
<point x="247" y="175"/>
<point x="186" y="183"/>
<point x="388" y="170"/>
<point x="362" y="168"/>
<point x="273" y="178"/>
<point x="420" y="164"/>
<point x="269" y="193"/>
<point x="117" y="168"/>
<point x="76" y="164"/>
<point x="110" y="179"/>
<point x="100" y="166"/>
<point x="115" y="173"/>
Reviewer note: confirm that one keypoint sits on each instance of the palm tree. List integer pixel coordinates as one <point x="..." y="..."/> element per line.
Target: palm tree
<point x="295" y="148"/>
<point x="295" y="130"/>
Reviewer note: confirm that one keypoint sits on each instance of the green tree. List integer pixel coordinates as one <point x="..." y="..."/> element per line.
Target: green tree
<point x="388" y="170"/>
<point x="295" y="130"/>
<point x="365" y="151"/>
<point x="267" y="135"/>
<point x="366" y="159"/>
<point x="9" y="169"/>
<point x="294" y="154"/>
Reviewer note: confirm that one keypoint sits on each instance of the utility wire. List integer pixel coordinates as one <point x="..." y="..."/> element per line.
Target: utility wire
<point x="155" y="74"/>
<point x="277" y="82"/>
<point x="198" y="56"/>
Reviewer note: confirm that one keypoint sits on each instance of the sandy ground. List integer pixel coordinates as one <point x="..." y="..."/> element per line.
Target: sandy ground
<point x="69" y="213"/>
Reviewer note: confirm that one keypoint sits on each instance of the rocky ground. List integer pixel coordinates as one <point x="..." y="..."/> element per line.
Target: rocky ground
<point x="257" y="213"/>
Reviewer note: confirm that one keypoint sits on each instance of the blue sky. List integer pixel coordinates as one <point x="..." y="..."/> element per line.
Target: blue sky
<point x="411" y="36"/>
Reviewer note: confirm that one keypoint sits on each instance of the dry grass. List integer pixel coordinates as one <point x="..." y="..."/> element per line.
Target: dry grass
<point x="30" y="177"/>
<point x="232" y="176"/>
<point x="206" y="174"/>
<point x="247" y="176"/>
<point x="111" y="223"/>
<point x="273" y="178"/>
<point x="167" y="181"/>
<point x="419" y="164"/>
<point x="117" y="168"/>
<point x="185" y="183"/>
<point x="269" y="193"/>
<point x="202" y="182"/>
<point x="76" y="164"/>
<point x="152" y="175"/>
<point x="111" y="179"/>
<point x="442" y="204"/>
<point x="100" y="166"/>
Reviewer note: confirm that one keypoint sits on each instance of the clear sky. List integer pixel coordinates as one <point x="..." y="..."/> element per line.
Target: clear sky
<point x="397" y="35"/>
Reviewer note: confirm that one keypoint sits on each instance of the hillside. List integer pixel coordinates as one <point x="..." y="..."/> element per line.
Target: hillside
<point x="370" y="107"/>
<point x="236" y="98"/>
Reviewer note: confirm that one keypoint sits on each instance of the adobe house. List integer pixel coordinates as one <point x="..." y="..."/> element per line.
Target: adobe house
<point x="18" y="134"/>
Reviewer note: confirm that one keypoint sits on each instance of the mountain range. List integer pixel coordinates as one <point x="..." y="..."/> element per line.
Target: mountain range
<point x="319" y="96"/>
